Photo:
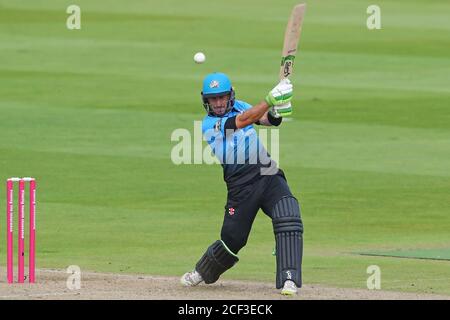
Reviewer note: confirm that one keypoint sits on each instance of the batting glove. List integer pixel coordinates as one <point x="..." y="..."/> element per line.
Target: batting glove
<point x="281" y="95"/>
<point x="283" y="110"/>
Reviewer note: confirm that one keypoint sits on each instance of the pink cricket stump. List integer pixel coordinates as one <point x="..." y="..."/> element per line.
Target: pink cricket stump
<point x="21" y="248"/>
<point x="9" y="228"/>
<point x="32" y="262"/>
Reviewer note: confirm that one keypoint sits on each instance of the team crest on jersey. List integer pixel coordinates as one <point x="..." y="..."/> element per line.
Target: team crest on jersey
<point x="217" y="125"/>
<point x="214" y="84"/>
<point x="231" y="211"/>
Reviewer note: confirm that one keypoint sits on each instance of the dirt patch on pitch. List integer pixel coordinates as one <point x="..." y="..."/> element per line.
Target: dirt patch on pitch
<point x="51" y="284"/>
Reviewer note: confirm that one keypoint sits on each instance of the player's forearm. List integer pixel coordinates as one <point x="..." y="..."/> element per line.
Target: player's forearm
<point x="252" y="115"/>
<point x="269" y="120"/>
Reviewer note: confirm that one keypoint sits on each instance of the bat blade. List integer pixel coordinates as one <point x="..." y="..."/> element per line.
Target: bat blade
<point x="291" y="39"/>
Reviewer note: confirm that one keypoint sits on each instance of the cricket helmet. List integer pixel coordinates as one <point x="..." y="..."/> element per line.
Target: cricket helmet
<point x="215" y="85"/>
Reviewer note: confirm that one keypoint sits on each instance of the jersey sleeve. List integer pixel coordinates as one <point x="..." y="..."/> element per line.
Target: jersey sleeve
<point x="242" y="105"/>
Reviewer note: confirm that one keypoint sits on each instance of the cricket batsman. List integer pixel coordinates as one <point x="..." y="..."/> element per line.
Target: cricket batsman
<point x="253" y="181"/>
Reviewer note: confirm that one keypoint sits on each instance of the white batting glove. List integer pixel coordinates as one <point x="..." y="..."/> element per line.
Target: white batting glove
<point x="281" y="94"/>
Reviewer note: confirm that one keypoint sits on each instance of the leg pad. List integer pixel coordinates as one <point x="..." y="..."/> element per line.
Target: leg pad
<point x="216" y="260"/>
<point x="288" y="230"/>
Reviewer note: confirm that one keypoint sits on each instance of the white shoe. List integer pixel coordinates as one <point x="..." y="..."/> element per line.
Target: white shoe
<point x="289" y="288"/>
<point x="191" y="279"/>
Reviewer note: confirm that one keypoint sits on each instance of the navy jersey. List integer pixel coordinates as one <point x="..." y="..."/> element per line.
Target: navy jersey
<point x="239" y="151"/>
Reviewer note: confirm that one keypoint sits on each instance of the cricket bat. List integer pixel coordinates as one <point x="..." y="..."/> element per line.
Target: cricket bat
<point x="291" y="38"/>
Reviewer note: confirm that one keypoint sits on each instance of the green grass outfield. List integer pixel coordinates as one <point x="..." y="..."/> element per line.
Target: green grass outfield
<point x="90" y="113"/>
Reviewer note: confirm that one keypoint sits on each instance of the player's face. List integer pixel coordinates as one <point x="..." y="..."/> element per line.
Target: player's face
<point x="219" y="104"/>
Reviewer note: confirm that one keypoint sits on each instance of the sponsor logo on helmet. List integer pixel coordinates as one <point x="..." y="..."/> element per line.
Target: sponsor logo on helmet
<point x="214" y="84"/>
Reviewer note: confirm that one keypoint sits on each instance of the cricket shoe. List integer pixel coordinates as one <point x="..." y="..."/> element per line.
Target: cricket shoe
<point x="191" y="279"/>
<point x="289" y="288"/>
